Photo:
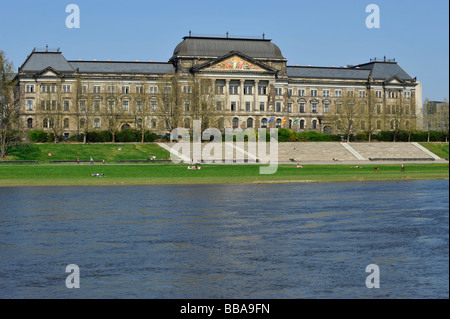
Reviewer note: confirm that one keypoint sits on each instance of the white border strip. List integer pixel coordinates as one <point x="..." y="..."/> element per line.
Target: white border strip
<point x="425" y="150"/>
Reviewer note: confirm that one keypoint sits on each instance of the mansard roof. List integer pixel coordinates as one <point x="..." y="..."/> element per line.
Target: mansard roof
<point x="39" y="61"/>
<point x="114" y="67"/>
<point x="327" y="73"/>
<point x="385" y="70"/>
<point x="212" y="47"/>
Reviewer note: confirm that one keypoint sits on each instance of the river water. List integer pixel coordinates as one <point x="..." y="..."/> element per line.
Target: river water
<point x="226" y="241"/>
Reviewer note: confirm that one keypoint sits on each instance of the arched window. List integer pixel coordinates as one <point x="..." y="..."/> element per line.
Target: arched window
<point x="139" y="122"/>
<point x="30" y="123"/>
<point x="278" y="123"/>
<point x="97" y="123"/>
<point x="235" y="122"/>
<point x="187" y="123"/>
<point x="66" y="123"/>
<point x="82" y="123"/>
<point x="153" y="123"/>
<point x="249" y="122"/>
<point x="264" y="123"/>
<point x="45" y="123"/>
<point x="302" y="124"/>
<point x="314" y="124"/>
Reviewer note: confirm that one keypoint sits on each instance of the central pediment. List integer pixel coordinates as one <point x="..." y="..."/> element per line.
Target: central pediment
<point x="234" y="62"/>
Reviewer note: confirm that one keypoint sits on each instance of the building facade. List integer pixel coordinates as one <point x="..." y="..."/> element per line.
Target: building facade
<point x="247" y="82"/>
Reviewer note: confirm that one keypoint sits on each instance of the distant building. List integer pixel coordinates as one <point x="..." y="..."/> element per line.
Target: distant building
<point x="252" y="82"/>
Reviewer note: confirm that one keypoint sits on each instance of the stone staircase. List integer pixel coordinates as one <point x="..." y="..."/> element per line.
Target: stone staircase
<point x="310" y="152"/>
<point x="390" y="151"/>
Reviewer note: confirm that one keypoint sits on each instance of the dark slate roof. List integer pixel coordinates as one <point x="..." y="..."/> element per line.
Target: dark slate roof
<point x="217" y="47"/>
<point x="327" y="73"/>
<point x="39" y="61"/>
<point x="122" y="67"/>
<point x="385" y="70"/>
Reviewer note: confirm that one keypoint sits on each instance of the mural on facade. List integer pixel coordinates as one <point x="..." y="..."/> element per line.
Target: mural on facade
<point x="235" y="63"/>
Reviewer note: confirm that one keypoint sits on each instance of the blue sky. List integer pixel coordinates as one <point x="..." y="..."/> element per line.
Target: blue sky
<point x="318" y="33"/>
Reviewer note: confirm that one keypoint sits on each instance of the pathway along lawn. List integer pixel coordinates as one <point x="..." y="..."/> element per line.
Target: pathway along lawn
<point x="151" y="174"/>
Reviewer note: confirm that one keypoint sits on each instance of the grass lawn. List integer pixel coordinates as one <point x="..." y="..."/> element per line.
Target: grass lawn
<point x="147" y="174"/>
<point x="65" y="152"/>
<point x="440" y="149"/>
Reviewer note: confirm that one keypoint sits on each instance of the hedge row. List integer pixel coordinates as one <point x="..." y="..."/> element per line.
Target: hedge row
<point x="130" y="135"/>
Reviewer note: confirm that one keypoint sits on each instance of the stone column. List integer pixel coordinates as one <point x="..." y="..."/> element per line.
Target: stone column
<point x="227" y="96"/>
<point x="255" y="97"/>
<point x="241" y="95"/>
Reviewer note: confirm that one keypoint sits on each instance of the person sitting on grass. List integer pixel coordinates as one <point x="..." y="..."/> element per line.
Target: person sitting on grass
<point x="299" y="166"/>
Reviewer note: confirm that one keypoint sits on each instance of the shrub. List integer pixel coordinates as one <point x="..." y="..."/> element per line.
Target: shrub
<point x="38" y="136"/>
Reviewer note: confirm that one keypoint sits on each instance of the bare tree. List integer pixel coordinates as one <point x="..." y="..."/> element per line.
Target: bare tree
<point x="201" y="102"/>
<point x="141" y="109"/>
<point x="113" y="110"/>
<point x="8" y="108"/>
<point x="171" y="97"/>
<point x="346" y="114"/>
<point x="51" y="107"/>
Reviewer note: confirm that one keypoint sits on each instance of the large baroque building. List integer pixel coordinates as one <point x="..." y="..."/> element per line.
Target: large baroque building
<point x="253" y="87"/>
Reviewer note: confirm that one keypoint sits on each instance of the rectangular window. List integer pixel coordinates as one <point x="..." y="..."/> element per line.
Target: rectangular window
<point x="313" y="92"/>
<point x="301" y="92"/>
<point x="153" y="105"/>
<point x="66" y="105"/>
<point x="349" y="93"/>
<point x="278" y="107"/>
<point x="289" y="107"/>
<point x="314" y="107"/>
<point x="326" y="93"/>
<point x="153" y="90"/>
<point x="66" y="88"/>
<point x="111" y="105"/>
<point x="262" y="90"/>
<point x="139" y="89"/>
<point x="167" y="90"/>
<point x="234" y="89"/>
<point x="362" y="93"/>
<point x="407" y="94"/>
<point x="186" y="106"/>
<point x="302" y="107"/>
<point x="125" y="89"/>
<point x="84" y="89"/>
<point x="289" y="92"/>
<point x="326" y="106"/>
<point x="379" y="94"/>
<point x="248" y="90"/>
<point x="338" y="93"/>
<point x="125" y="105"/>
<point x="219" y="106"/>
<point x="247" y="106"/>
<point x="278" y="91"/>
<point x="97" y="88"/>
<point x="233" y="106"/>
<point x="261" y="106"/>
<point x="29" y="105"/>
<point x="29" y="88"/>
<point x="139" y="106"/>
<point x="187" y="89"/>
<point x="96" y="105"/>
<point x="220" y="89"/>
<point x="111" y="89"/>
<point x="82" y="105"/>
